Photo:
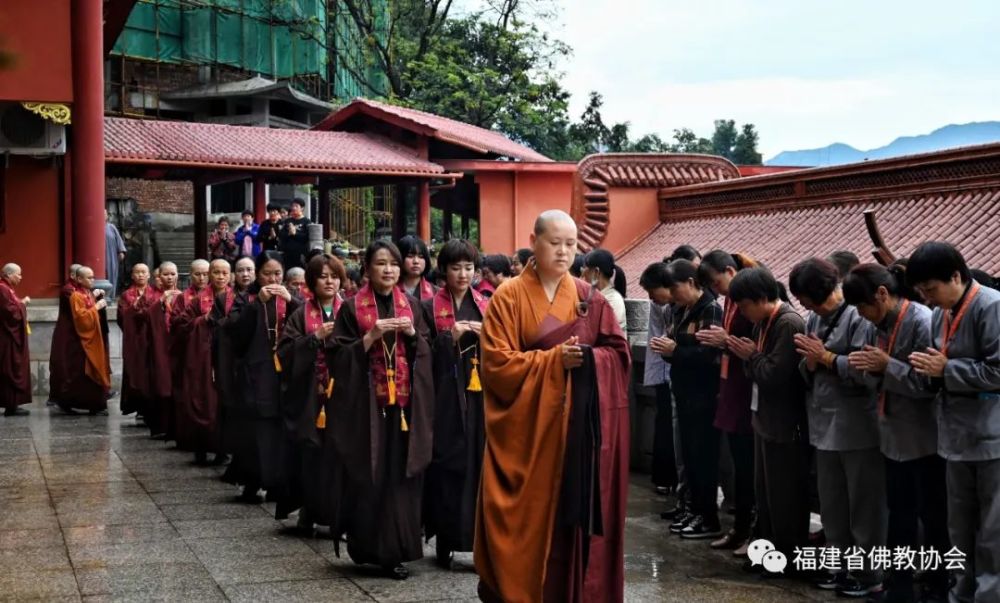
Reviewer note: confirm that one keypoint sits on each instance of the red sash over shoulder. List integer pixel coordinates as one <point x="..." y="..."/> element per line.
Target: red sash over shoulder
<point x="444" y="308"/>
<point x="367" y="312"/>
<point x="314" y="320"/>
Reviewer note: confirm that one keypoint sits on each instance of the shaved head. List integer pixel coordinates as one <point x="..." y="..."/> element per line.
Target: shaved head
<point x="73" y="269"/>
<point x="167" y="266"/>
<point x="199" y="265"/>
<point x="549" y="216"/>
<point x="11" y="269"/>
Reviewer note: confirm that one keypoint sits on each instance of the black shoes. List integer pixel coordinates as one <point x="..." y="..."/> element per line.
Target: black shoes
<point x="673" y="513"/>
<point x="700" y="529"/>
<point x="681" y="522"/>
<point x="398" y="572"/>
<point x="832" y="581"/>
<point x="855" y="589"/>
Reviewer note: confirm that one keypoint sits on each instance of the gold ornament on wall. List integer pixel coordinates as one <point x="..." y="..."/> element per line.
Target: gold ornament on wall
<point x="54" y="112"/>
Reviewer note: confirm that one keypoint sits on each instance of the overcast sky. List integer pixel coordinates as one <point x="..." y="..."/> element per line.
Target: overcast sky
<point x="807" y="73"/>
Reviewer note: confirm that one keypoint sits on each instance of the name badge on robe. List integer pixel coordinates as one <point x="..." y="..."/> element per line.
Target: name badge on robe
<point x="754" y="398"/>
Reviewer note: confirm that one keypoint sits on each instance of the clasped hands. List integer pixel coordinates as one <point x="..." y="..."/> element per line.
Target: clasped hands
<point x="269" y="291"/>
<point x="462" y="327"/>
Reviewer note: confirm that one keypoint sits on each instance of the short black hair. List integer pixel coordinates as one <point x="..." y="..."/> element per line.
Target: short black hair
<point x="936" y="261"/>
<point x="377" y="245"/>
<point x="300" y="202"/>
<point x="863" y="282"/>
<point x="683" y="252"/>
<point x="655" y="276"/>
<point x="355" y="275"/>
<point x="246" y="212"/>
<point x="845" y="261"/>
<point x="603" y="261"/>
<point x="411" y="245"/>
<point x="498" y="264"/>
<point x="266" y="256"/>
<point x="754" y="284"/>
<point x="524" y="255"/>
<point x="222" y="219"/>
<point x="679" y="271"/>
<point x="273" y="207"/>
<point x="983" y="278"/>
<point x="314" y="269"/>
<point x="815" y="279"/>
<point x="457" y="250"/>
<point x="577" y="268"/>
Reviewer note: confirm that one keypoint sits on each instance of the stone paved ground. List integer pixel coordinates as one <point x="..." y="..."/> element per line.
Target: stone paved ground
<point x="91" y="508"/>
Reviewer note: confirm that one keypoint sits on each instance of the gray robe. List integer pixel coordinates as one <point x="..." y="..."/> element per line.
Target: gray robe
<point x="839" y="403"/>
<point x="113" y="245"/>
<point x="909" y="425"/>
<point x="657" y="369"/>
<point x="969" y="413"/>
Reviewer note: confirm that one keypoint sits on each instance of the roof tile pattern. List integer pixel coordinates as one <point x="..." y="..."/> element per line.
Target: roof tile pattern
<point x="253" y="148"/>
<point x="448" y="130"/>
<point x="970" y="219"/>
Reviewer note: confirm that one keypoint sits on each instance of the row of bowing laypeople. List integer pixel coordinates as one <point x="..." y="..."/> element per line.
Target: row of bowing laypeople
<point x="390" y="420"/>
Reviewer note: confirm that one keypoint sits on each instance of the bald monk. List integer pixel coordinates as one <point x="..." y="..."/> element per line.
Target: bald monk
<point x="138" y="361"/>
<point x="15" y="370"/>
<point x="161" y="315"/>
<point x="59" y="337"/>
<point x="81" y="375"/>
<point x="198" y="403"/>
<point x="551" y="512"/>
<point x="198" y="273"/>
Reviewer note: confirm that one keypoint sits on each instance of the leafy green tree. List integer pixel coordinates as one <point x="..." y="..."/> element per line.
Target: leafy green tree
<point x="724" y="138"/>
<point x="745" y="150"/>
<point x="686" y="141"/>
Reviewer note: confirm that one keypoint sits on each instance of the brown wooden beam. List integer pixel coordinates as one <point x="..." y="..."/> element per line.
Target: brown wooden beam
<point x="200" y="221"/>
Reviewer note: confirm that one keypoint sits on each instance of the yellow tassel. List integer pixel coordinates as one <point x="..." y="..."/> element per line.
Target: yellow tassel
<point x="329" y="388"/>
<point x="27" y="328"/>
<point x="474" y="384"/>
<point x="321" y="419"/>
<point x="402" y="421"/>
<point x="277" y="363"/>
<point x="390" y="374"/>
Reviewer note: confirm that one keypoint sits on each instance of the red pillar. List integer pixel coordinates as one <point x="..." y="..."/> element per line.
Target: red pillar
<point x="88" y="135"/>
<point x="424" y="211"/>
<point x="259" y="199"/>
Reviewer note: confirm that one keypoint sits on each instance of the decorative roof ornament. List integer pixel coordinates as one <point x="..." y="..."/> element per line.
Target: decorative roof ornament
<point x="55" y="112"/>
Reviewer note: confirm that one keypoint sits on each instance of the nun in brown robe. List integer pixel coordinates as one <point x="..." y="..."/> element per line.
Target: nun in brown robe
<point x="138" y="361"/>
<point x="315" y="474"/>
<point x="259" y="462"/>
<point x="454" y="316"/>
<point x="81" y="375"/>
<point x="380" y="419"/>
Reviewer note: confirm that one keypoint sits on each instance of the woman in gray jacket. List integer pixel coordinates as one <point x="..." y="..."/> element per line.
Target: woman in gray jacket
<point x="914" y="473"/>
<point x="842" y="425"/>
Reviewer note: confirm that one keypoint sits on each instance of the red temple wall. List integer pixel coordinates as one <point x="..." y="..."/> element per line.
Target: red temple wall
<point x="37" y="34"/>
<point x="32" y="237"/>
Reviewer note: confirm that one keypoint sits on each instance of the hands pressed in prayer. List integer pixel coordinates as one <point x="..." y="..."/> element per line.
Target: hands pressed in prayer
<point x="870" y="360"/>
<point x="97" y="293"/>
<point x="811" y="348"/>
<point x="405" y="325"/>
<point x="269" y="291"/>
<point x="664" y="346"/>
<point x="462" y="327"/>
<point x="101" y="304"/>
<point x="930" y="363"/>
<point x="741" y="347"/>
<point x="168" y="297"/>
<point x="714" y="336"/>
<point x="26" y="300"/>
<point x="324" y="330"/>
<point x="572" y="354"/>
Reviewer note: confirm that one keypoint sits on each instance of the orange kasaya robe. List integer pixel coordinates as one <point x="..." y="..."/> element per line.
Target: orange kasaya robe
<point x="524" y="549"/>
<point x="87" y="321"/>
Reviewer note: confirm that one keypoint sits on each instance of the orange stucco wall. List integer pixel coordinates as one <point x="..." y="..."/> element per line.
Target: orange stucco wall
<point x="32" y="237"/>
<point x="509" y="202"/>
<point x="634" y="211"/>
<point x="37" y="34"/>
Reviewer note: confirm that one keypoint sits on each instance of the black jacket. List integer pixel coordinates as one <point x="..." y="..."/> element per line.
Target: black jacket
<point x="694" y="368"/>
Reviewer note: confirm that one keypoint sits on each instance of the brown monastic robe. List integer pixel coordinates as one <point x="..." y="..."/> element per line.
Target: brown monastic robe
<point x="138" y="361"/>
<point x="161" y="315"/>
<point x="15" y="368"/>
<point x="384" y="464"/>
<point x="525" y="548"/>
<point x="198" y="403"/>
<point x="80" y="373"/>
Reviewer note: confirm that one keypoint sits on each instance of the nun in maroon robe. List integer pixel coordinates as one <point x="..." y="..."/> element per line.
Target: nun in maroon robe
<point x="380" y="419"/>
<point x="138" y="359"/>
<point x="80" y="376"/>
<point x="15" y="369"/>
<point x="454" y="316"/>
<point x="198" y="403"/>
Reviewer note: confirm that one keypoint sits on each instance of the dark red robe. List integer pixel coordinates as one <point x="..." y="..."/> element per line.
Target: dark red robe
<point x="79" y="374"/>
<point x="15" y="369"/>
<point x="198" y="402"/>
<point x="164" y="358"/>
<point x="138" y="361"/>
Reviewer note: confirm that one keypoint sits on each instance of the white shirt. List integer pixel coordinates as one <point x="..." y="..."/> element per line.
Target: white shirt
<point x="617" y="303"/>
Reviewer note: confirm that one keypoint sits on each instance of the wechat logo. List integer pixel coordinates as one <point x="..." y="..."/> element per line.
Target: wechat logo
<point x="761" y="552"/>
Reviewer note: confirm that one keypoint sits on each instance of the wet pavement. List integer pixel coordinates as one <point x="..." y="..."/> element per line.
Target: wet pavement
<point x="92" y="509"/>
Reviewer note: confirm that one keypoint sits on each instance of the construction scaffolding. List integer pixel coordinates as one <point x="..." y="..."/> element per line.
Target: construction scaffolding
<point x="311" y="43"/>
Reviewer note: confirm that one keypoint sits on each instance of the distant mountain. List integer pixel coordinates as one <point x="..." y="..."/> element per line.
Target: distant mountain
<point x="948" y="137"/>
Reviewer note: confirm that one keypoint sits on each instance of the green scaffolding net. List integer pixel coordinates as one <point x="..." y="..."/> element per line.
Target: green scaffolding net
<point x="275" y="38"/>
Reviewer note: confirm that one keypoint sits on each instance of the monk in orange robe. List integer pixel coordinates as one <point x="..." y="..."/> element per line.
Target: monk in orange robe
<point x="551" y="511"/>
<point x="81" y="363"/>
<point x="15" y="369"/>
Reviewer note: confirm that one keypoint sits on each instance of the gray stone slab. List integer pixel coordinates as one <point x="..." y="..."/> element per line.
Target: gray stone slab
<point x="269" y="569"/>
<point x="91" y="556"/>
<point x="211" y="595"/>
<point x="41" y="559"/>
<point x="98" y="535"/>
<point x="51" y="537"/>
<point x="223" y="495"/>
<point x="46" y="585"/>
<point x="195" y="511"/>
<point x="249" y="547"/>
<point x="426" y="583"/>
<point x="227" y="528"/>
<point x="155" y="485"/>
<point x="304" y="591"/>
<point x="145" y="578"/>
